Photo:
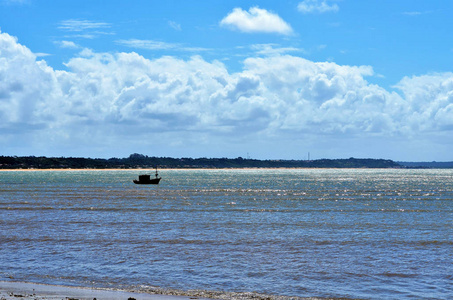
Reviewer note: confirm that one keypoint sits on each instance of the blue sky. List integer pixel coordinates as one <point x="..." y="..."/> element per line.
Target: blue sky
<point x="274" y="79"/>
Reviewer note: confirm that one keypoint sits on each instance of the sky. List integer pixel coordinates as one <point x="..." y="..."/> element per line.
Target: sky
<point x="259" y="79"/>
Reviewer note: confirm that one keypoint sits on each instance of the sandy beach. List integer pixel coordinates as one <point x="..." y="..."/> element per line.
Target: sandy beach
<point x="33" y="291"/>
<point x="23" y="290"/>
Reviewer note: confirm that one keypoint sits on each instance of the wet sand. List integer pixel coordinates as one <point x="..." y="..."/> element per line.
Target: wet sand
<point x="33" y="291"/>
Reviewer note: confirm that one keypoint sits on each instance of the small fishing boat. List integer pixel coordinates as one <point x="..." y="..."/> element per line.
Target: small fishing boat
<point x="146" y="179"/>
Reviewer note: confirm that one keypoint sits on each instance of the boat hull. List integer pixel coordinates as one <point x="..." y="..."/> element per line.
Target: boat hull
<point x="151" y="181"/>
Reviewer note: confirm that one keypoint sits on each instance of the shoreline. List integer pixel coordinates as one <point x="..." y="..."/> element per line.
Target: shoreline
<point x="10" y="290"/>
<point x="39" y="291"/>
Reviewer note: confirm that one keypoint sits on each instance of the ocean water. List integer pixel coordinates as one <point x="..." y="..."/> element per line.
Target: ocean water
<point x="353" y="233"/>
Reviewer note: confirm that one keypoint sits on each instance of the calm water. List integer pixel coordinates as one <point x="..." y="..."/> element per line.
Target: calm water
<point x="373" y="234"/>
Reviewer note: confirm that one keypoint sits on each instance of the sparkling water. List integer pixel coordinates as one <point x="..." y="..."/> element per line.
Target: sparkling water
<point x="352" y="233"/>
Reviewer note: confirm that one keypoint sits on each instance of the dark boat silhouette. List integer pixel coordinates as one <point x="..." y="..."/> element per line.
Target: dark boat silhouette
<point x="146" y="179"/>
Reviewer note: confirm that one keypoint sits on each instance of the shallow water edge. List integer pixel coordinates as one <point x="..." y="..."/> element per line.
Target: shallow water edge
<point x="34" y="291"/>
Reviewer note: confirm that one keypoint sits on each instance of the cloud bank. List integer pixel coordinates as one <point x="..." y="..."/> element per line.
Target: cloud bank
<point x="117" y="104"/>
<point x="256" y="20"/>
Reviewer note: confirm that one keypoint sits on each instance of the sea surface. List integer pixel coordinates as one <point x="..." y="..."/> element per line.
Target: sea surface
<point x="352" y="233"/>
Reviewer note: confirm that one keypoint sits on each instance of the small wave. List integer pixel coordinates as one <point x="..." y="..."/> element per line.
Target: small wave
<point x="27" y="208"/>
<point x="398" y="275"/>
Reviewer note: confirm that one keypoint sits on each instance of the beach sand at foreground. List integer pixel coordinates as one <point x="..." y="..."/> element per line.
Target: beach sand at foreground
<point x="29" y="291"/>
<point x="33" y="291"/>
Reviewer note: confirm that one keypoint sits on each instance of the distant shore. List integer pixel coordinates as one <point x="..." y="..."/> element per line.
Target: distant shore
<point x="135" y="161"/>
<point x="151" y="170"/>
<point x="83" y="169"/>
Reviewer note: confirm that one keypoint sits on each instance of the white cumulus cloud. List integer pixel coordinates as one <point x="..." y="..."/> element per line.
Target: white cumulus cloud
<point x="67" y="44"/>
<point x="27" y="89"/>
<point x="124" y="102"/>
<point x="429" y="101"/>
<point x="256" y="20"/>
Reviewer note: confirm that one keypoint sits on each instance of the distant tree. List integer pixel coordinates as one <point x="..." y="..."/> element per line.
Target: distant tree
<point x="137" y="156"/>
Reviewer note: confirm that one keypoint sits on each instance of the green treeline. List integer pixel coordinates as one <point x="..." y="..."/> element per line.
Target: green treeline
<point x="143" y="161"/>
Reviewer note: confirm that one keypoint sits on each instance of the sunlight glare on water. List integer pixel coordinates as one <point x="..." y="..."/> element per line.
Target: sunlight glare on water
<point x="355" y="233"/>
